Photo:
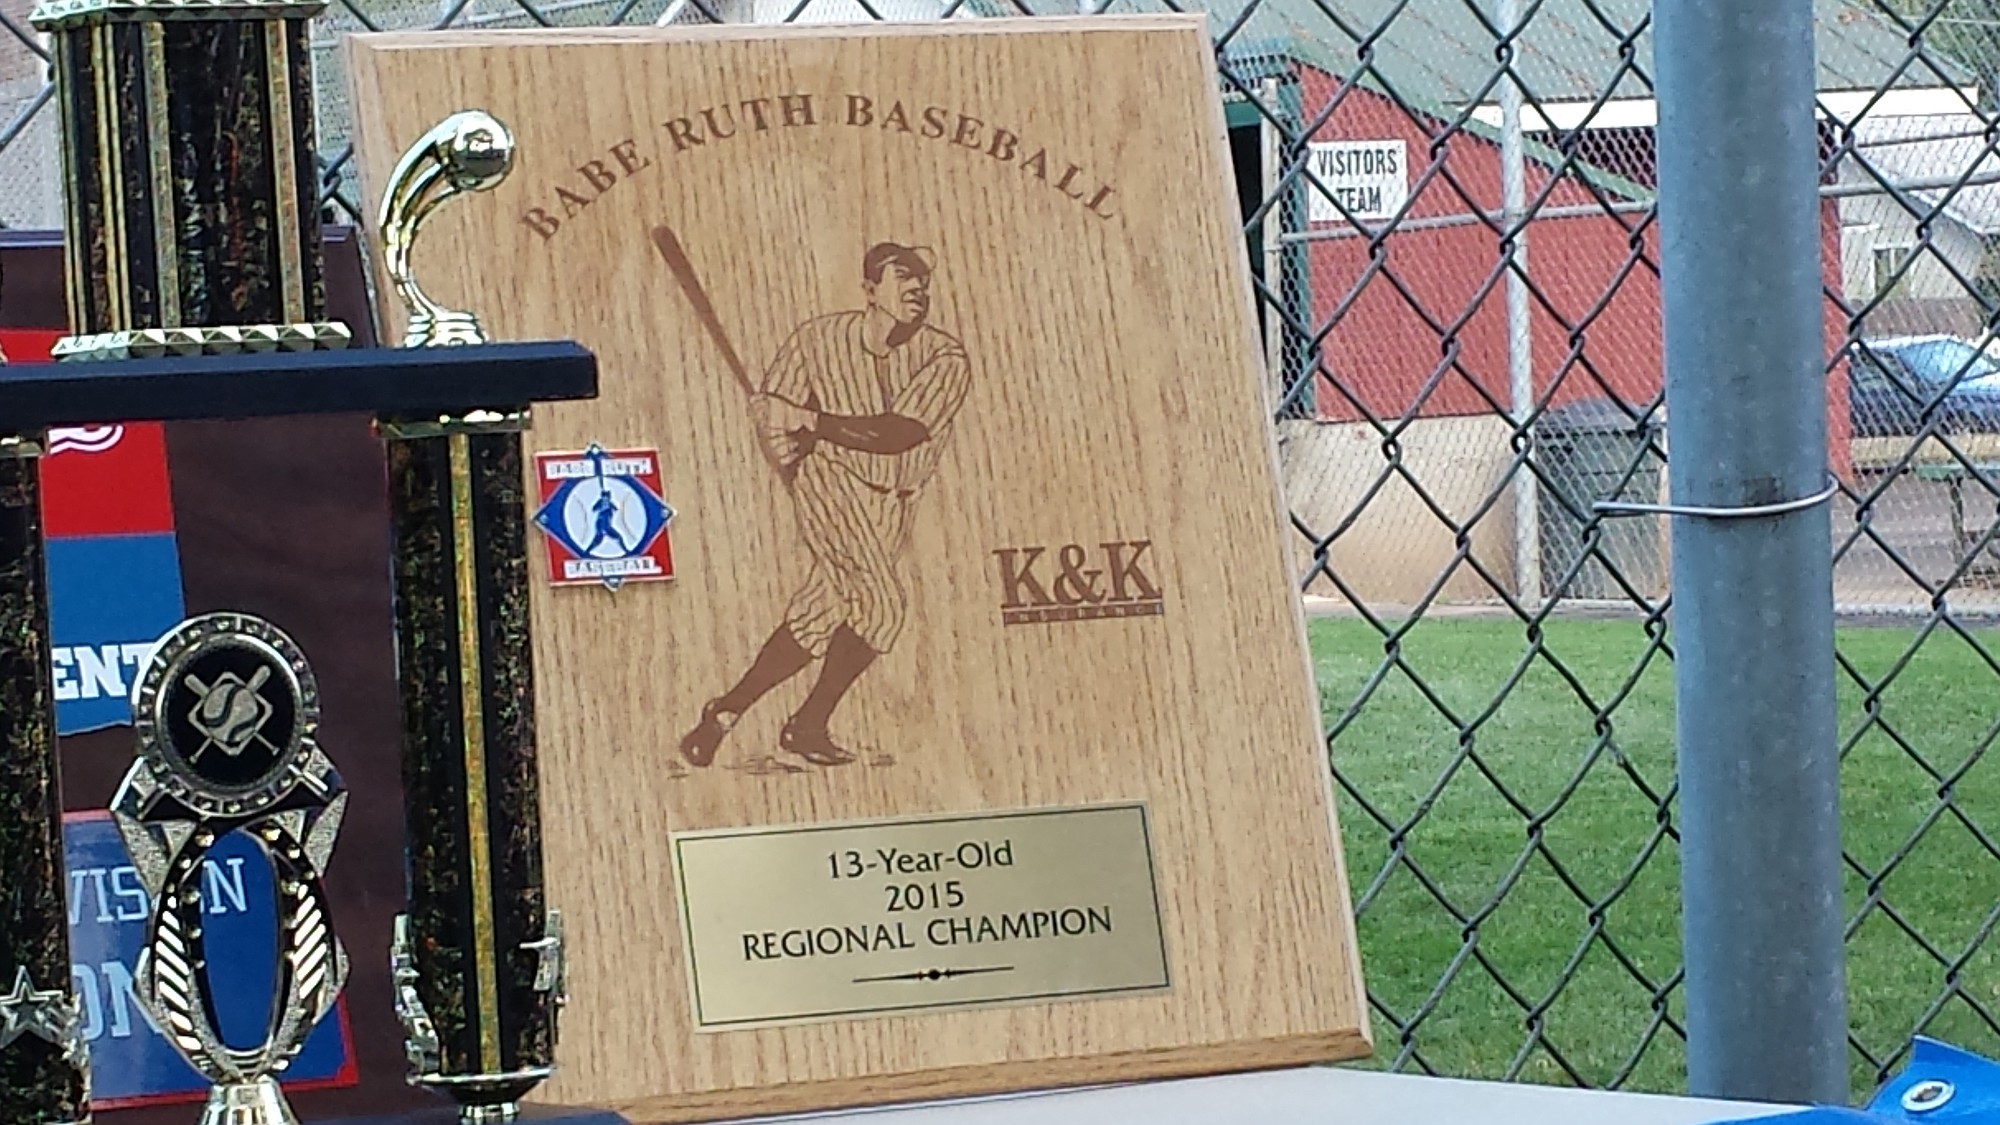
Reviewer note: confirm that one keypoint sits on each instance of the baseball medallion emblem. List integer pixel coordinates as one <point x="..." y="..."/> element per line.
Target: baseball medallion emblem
<point x="227" y="711"/>
<point x="226" y="721"/>
<point x="604" y="517"/>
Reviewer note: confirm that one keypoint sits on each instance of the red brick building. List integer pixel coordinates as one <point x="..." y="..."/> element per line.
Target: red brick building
<point x="1409" y="272"/>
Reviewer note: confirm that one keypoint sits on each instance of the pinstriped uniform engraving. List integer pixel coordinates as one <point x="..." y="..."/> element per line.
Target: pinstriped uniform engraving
<point x="854" y="413"/>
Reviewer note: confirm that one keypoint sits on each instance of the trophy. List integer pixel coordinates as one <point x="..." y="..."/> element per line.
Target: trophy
<point x="44" y="1066"/>
<point x="196" y="292"/>
<point x="226" y="717"/>
<point x="478" y="955"/>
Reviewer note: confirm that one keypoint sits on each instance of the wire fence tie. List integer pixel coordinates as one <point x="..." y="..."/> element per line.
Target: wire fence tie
<point x="1782" y="507"/>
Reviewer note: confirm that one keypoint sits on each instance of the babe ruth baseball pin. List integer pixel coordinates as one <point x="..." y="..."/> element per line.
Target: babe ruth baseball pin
<point x="604" y="517"/>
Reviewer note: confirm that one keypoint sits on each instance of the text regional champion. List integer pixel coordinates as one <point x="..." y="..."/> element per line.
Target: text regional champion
<point x="967" y="929"/>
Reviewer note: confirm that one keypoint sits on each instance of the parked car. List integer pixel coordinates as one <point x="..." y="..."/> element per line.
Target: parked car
<point x="1895" y="384"/>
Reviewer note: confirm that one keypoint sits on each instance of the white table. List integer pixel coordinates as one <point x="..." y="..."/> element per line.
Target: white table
<point x="1309" y="1097"/>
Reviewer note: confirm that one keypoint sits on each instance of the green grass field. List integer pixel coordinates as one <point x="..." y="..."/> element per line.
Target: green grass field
<point x="1583" y="757"/>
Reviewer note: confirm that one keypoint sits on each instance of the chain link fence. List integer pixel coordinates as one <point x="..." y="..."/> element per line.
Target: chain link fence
<point x="1448" y="208"/>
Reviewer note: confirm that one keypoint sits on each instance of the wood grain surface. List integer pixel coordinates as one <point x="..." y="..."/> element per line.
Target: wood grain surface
<point x="1088" y="377"/>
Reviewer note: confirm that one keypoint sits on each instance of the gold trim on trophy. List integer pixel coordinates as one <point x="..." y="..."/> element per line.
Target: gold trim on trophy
<point x="420" y="1038"/>
<point x="54" y="15"/>
<point x="110" y="176"/>
<point x="166" y="236"/>
<point x="485" y="958"/>
<point x="125" y="196"/>
<point x="17" y="445"/>
<point x="466" y="152"/>
<point x="285" y="170"/>
<point x="74" y="287"/>
<point x="473" y="422"/>
<point x="153" y="343"/>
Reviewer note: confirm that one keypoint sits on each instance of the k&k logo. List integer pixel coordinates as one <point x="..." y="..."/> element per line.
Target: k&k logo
<point x="1077" y="583"/>
<point x="604" y="517"/>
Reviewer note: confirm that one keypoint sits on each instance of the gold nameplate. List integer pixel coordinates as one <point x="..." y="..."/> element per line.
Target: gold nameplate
<point x="830" y="921"/>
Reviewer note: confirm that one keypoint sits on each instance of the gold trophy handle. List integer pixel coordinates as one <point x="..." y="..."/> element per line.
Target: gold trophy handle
<point x="466" y="152"/>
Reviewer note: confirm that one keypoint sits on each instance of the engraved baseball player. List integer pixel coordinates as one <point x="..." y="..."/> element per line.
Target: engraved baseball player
<point x="855" y="412"/>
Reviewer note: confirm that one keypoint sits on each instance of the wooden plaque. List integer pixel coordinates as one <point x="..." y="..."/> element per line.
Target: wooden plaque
<point x="924" y="703"/>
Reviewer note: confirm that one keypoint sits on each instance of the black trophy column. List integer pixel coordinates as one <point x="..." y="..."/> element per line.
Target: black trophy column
<point x="187" y="163"/>
<point x="478" y="928"/>
<point x="40" y="1083"/>
<point x="188" y="158"/>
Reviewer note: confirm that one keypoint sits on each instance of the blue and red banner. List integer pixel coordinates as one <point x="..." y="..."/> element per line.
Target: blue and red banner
<point x="114" y="567"/>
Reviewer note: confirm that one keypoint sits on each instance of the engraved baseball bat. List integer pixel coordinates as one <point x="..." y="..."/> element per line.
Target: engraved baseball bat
<point x="704" y="311"/>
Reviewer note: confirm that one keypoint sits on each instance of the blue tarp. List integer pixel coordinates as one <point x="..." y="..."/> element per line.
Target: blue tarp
<point x="1941" y="1085"/>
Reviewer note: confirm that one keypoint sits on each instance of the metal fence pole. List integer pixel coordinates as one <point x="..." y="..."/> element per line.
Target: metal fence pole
<point x="1520" y="338"/>
<point x="1753" y="595"/>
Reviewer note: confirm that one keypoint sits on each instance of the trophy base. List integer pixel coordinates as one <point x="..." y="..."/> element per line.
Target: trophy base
<point x="454" y="1115"/>
<point x="247" y="1103"/>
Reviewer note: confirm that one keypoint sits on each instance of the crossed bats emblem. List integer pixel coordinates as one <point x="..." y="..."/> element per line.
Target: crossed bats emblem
<point x="229" y="714"/>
